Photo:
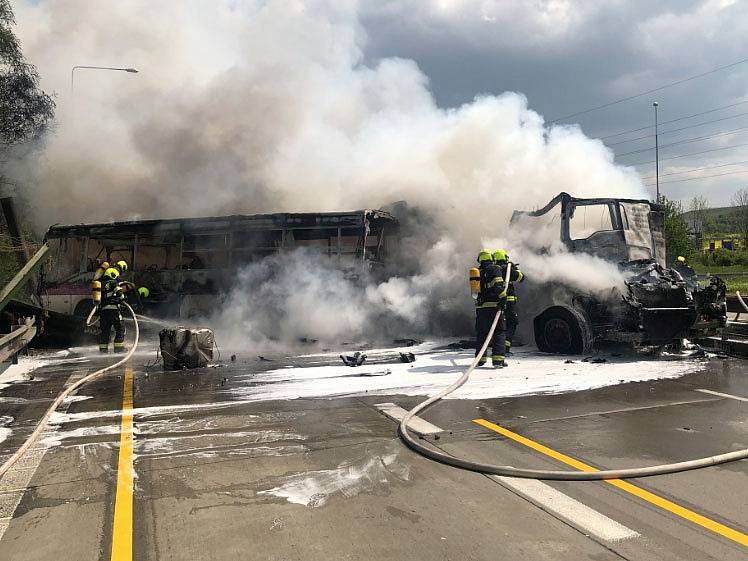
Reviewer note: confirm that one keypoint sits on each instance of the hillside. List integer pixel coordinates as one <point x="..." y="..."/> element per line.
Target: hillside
<point x="719" y="220"/>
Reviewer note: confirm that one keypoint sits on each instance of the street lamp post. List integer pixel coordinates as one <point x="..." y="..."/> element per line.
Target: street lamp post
<point x="657" y="154"/>
<point x="72" y="72"/>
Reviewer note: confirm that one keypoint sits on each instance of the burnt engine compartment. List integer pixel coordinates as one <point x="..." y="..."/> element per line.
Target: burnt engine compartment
<point x="655" y="307"/>
<point x="658" y="304"/>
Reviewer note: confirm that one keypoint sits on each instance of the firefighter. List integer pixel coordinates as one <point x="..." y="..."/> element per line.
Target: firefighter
<point x="488" y="303"/>
<point x="110" y="312"/>
<point x="685" y="271"/>
<point x="121" y="266"/>
<point x="510" y="312"/>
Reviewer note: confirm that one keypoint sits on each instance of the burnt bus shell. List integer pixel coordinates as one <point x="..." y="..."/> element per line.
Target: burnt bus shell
<point x="189" y="264"/>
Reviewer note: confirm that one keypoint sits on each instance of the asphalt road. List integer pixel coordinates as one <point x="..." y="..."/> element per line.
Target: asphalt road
<point x="170" y="466"/>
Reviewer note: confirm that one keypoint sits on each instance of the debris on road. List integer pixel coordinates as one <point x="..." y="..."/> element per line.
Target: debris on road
<point x="407" y="342"/>
<point x="357" y="359"/>
<point x="407" y="357"/>
<point x="186" y="348"/>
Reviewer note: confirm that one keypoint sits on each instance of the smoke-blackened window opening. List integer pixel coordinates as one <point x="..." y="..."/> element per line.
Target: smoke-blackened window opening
<point x="257" y="240"/>
<point x="156" y="257"/>
<point x="67" y="263"/>
<point x="96" y="253"/>
<point x="586" y="220"/>
<point x="205" y="251"/>
<point x="119" y="252"/>
<point x="324" y="240"/>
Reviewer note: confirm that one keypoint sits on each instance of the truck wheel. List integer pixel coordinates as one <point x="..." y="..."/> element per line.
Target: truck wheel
<point x="561" y="330"/>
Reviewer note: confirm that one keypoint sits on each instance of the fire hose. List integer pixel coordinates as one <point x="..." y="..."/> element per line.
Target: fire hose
<point x="511" y="471"/>
<point x="56" y="403"/>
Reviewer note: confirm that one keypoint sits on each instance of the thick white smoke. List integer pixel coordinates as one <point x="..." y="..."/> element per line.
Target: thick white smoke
<point x="245" y="106"/>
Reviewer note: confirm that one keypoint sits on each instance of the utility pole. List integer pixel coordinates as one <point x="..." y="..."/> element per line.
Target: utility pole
<point x="657" y="154"/>
<point x="72" y="72"/>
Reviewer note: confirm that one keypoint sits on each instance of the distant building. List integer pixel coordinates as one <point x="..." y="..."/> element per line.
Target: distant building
<point x="731" y="244"/>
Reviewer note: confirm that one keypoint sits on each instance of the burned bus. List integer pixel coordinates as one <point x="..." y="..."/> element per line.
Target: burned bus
<point x="189" y="263"/>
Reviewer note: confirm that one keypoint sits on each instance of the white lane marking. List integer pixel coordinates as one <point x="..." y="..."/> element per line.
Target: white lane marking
<point x="624" y="410"/>
<point x="571" y="510"/>
<point x="416" y="424"/>
<point x="727" y="395"/>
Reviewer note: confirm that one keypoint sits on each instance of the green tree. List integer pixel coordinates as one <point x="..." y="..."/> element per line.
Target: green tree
<point x="677" y="240"/>
<point x="740" y="218"/>
<point x="25" y="110"/>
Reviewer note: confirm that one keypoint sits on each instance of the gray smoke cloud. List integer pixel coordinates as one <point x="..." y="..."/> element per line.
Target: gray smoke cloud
<point x="245" y="106"/>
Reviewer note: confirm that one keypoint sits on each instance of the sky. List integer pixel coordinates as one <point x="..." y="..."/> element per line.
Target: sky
<point x="567" y="56"/>
<point x="563" y="56"/>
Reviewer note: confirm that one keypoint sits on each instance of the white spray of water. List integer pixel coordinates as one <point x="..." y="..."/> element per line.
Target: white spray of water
<point x="246" y="106"/>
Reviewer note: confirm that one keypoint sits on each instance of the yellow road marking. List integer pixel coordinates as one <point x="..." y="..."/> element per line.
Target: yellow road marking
<point x="691" y="516"/>
<point x="122" y="530"/>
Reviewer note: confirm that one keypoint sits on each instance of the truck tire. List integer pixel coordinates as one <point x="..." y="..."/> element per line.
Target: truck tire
<point x="565" y="331"/>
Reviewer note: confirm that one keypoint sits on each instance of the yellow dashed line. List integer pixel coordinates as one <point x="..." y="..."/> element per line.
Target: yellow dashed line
<point x="691" y="516"/>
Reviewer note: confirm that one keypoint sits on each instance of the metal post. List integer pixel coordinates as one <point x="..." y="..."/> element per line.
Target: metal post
<point x="657" y="154"/>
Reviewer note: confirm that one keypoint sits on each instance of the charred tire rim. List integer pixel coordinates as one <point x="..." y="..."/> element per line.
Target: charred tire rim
<point x="558" y="335"/>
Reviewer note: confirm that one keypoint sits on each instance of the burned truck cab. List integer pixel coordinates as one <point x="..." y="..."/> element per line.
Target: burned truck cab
<point x="653" y="306"/>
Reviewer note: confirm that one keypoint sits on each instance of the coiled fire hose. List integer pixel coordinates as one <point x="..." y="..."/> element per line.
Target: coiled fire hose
<point x="511" y="471"/>
<point x="45" y="419"/>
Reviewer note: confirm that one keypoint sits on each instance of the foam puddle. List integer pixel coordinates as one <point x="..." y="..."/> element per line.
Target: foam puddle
<point x="26" y="365"/>
<point x="528" y="373"/>
<point x="315" y="488"/>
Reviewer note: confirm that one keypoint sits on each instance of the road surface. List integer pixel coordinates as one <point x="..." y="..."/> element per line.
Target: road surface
<point x="229" y="463"/>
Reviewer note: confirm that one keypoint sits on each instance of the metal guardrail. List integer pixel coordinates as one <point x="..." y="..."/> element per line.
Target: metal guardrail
<point x="14" y="342"/>
<point x="23" y="276"/>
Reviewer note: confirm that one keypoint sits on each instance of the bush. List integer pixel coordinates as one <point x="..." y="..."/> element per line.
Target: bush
<point x="724" y="258"/>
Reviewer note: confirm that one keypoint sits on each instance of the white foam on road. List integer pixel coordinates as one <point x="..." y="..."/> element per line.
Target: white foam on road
<point x="26" y="365"/>
<point x="313" y="489"/>
<point x="528" y="373"/>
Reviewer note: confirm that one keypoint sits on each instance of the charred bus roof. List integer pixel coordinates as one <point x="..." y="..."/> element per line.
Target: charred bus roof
<point x="276" y="221"/>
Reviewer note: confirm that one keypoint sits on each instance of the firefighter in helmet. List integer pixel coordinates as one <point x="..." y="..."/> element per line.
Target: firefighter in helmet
<point x="510" y="312"/>
<point x="489" y="299"/>
<point x="110" y="293"/>
<point x="110" y="311"/>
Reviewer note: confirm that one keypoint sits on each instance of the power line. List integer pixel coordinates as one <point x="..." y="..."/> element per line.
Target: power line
<point x="685" y="141"/>
<point x="690" y="154"/>
<point x="697" y="169"/>
<point x="678" y="130"/>
<point x="674" y="120"/>
<point x="657" y="89"/>
<point x="696" y="178"/>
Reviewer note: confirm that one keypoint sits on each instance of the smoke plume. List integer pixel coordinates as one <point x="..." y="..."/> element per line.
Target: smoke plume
<point x="245" y="106"/>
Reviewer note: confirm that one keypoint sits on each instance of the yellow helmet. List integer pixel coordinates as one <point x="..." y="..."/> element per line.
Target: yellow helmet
<point x="111" y="273"/>
<point x="681" y="259"/>
<point x="144" y="292"/>
<point x="122" y="265"/>
<point x="499" y="255"/>
<point x="484" y="255"/>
